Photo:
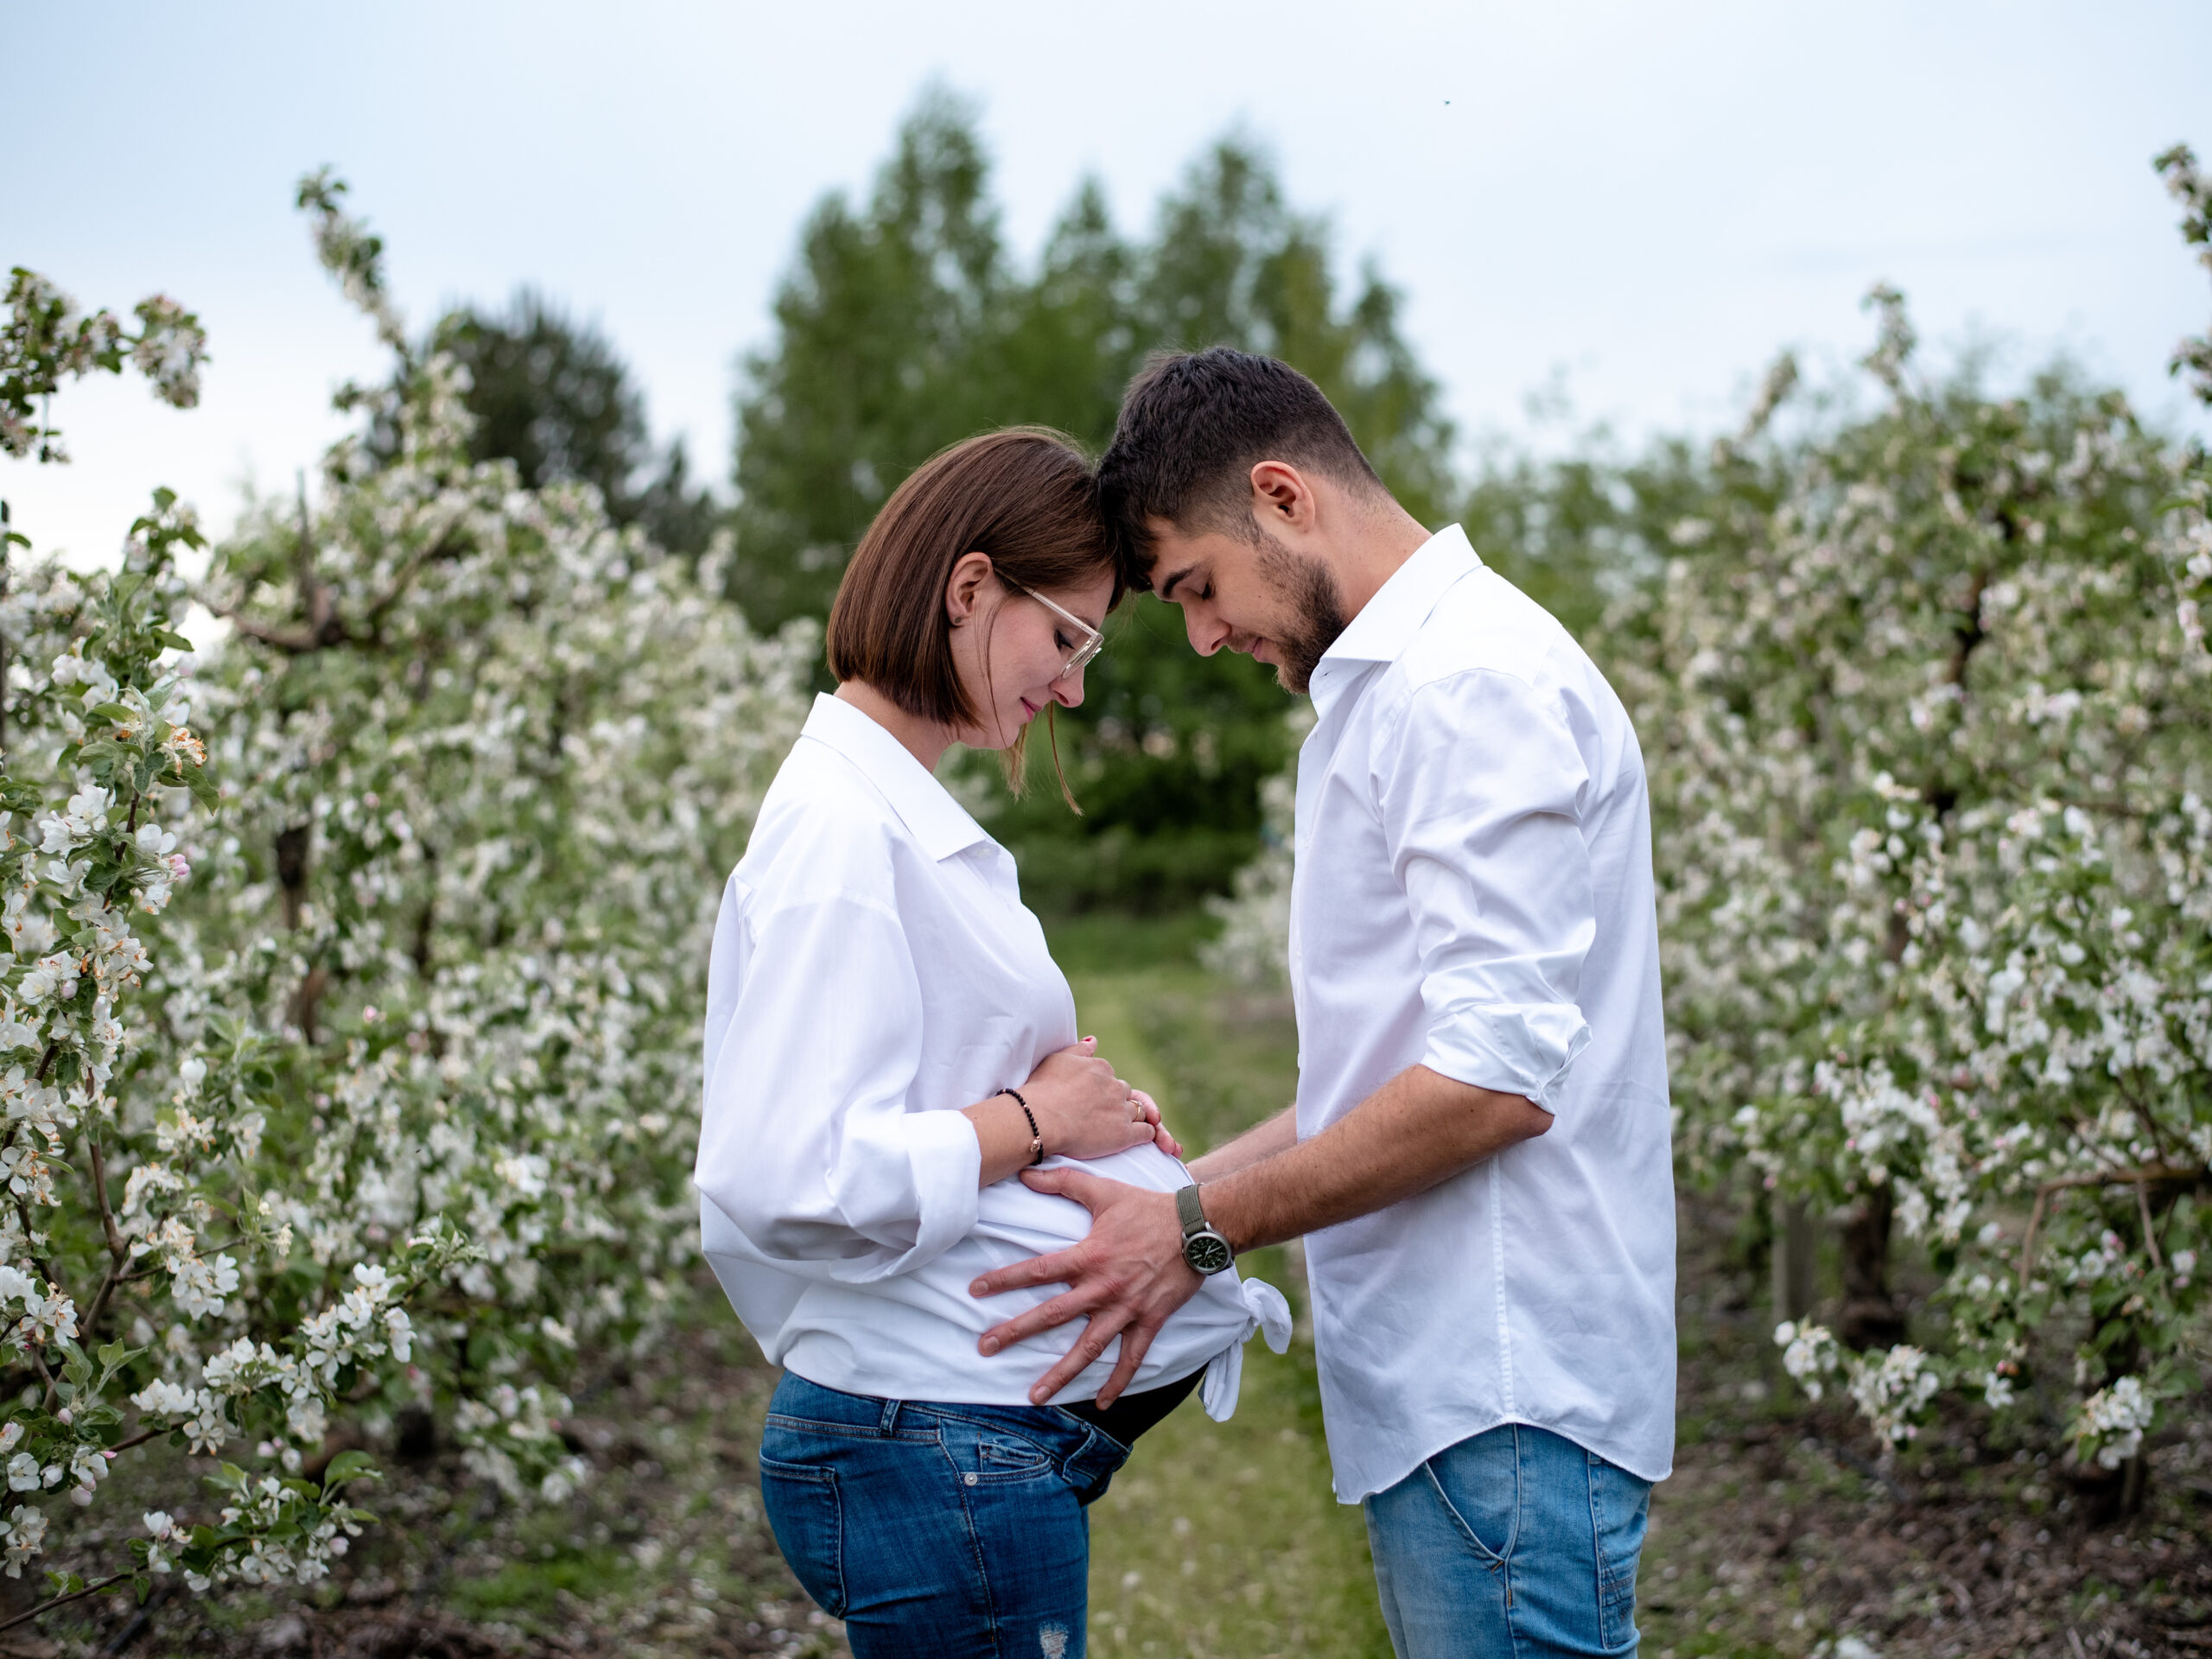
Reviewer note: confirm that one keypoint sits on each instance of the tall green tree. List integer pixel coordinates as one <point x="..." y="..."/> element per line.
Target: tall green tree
<point x="904" y="326"/>
<point x="554" y="397"/>
<point x="877" y="362"/>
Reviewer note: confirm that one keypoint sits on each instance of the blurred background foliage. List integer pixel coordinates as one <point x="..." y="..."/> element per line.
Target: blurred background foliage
<point x="905" y="324"/>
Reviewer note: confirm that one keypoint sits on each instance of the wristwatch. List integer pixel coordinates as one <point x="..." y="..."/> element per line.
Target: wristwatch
<point x="1207" y="1251"/>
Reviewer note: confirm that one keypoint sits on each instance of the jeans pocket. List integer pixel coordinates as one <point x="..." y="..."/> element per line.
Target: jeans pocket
<point x="1478" y="1482"/>
<point x="809" y="1521"/>
<point x="1000" y="1457"/>
<point x="1620" y="1503"/>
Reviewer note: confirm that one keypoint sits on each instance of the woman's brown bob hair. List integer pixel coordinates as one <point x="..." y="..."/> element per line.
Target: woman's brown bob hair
<point x="1026" y="497"/>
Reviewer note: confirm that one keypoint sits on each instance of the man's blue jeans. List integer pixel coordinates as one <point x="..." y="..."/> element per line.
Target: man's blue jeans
<point x="1516" y="1542"/>
<point x="947" y="1530"/>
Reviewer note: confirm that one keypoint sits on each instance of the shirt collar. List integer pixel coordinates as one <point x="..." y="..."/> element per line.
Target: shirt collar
<point x="940" y="823"/>
<point x="1387" y="623"/>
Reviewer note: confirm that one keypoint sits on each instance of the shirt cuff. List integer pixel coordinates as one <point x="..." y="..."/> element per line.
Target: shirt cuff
<point x="1516" y="1050"/>
<point x="945" y="1161"/>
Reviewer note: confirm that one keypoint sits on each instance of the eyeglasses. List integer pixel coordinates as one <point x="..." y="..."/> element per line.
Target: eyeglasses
<point x="1093" y="641"/>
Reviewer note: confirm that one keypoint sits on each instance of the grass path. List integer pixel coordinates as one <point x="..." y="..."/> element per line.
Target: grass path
<point x="1223" y="1539"/>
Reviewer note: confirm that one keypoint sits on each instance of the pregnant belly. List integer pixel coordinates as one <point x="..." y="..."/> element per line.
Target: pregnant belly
<point x="1013" y="1224"/>
<point x="1010" y="1212"/>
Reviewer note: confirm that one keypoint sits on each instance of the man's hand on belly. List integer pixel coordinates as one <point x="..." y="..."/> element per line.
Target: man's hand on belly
<point x="1127" y="1276"/>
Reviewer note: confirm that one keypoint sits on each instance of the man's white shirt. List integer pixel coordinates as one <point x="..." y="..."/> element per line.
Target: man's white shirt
<point x="1473" y="893"/>
<point x="875" y="970"/>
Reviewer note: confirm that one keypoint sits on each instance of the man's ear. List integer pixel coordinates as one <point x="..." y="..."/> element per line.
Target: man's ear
<point x="1282" y="497"/>
<point x="963" y="587"/>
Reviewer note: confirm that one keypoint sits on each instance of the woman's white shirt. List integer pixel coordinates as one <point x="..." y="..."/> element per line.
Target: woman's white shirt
<point x="875" y="971"/>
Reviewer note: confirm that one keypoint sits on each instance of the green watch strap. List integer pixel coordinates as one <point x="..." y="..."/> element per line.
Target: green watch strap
<point x="1190" y="1211"/>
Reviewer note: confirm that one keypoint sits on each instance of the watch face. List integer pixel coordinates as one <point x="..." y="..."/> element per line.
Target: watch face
<point x="1207" y="1253"/>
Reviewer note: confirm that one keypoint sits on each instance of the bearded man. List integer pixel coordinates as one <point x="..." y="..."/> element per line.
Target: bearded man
<point x="1479" y="1157"/>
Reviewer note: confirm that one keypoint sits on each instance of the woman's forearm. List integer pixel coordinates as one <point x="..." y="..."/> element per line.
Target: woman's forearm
<point x="1264" y="1139"/>
<point x="1002" y="1132"/>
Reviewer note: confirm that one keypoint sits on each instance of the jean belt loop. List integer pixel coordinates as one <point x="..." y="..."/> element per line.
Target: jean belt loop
<point x="1094" y="1458"/>
<point x="888" y="1424"/>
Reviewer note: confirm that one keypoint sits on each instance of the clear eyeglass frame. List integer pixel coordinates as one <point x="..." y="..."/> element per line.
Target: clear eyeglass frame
<point x="1094" y="641"/>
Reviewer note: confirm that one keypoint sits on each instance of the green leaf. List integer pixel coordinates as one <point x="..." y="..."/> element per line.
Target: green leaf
<point x="349" y="1466"/>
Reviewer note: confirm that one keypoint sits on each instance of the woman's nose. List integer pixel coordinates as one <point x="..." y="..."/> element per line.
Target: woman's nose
<point x="1067" y="690"/>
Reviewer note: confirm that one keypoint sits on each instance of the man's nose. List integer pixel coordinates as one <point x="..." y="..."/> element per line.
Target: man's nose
<point x="1208" y="631"/>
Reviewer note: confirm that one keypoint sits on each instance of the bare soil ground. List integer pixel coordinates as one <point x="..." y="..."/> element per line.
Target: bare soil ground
<point x="664" y="1552"/>
<point x="1779" y="1533"/>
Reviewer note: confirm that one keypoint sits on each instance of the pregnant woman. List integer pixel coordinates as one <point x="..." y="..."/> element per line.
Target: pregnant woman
<point x="888" y="1044"/>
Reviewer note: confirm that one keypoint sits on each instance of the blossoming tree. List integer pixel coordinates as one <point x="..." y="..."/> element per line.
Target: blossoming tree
<point x="2012" y="1055"/>
<point x="350" y="1037"/>
<point x="136" y="1206"/>
<point x="1927" y="706"/>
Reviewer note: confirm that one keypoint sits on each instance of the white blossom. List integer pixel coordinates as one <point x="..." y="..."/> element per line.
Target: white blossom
<point x="2108" y="1426"/>
<point x="23" y="1535"/>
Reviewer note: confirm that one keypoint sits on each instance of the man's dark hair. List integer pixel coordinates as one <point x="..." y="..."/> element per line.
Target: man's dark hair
<point x="1193" y="425"/>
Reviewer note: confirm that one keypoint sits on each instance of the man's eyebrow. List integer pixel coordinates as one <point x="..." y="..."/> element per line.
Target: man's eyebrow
<point x="1167" y="590"/>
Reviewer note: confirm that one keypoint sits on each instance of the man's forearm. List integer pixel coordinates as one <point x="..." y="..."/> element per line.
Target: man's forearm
<point x="1263" y="1139"/>
<point x="1418" y="1129"/>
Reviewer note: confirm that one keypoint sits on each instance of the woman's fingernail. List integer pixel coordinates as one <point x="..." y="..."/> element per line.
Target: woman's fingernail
<point x="990" y="1344"/>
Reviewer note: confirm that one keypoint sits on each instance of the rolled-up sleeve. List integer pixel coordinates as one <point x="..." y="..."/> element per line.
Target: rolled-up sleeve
<point x="1479" y="786"/>
<point x="807" y="1143"/>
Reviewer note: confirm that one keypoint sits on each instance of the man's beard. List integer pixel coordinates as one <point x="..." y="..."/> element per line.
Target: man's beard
<point x="1308" y="593"/>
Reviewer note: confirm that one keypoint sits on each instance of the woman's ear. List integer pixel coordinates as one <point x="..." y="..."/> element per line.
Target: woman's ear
<point x="963" y="587"/>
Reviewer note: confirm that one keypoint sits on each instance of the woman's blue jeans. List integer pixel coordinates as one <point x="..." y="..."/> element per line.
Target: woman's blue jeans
<point x="1513" y="1541"/>
<point x="944" y="1530"/>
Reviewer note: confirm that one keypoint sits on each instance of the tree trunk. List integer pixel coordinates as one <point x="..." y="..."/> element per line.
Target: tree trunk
<point x="1793" y="1259"/>
<point x="292" y="871"/>
<point x="294" y="846"/>
<point x="2134" y="1482"/>
<point x="2109" y="1495"/>
<point x="1871" y="1318"/>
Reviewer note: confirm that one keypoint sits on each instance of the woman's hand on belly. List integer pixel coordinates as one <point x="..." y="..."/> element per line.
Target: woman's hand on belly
<point x="1165" y="1141"/>
<point x="1084" y="1111"/>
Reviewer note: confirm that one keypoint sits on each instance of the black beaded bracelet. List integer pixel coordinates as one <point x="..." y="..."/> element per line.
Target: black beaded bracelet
<point x="1036" y="1136"/>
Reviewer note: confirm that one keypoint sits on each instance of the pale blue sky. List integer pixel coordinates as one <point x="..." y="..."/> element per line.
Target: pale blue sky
<point x="1652" y="197"/>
